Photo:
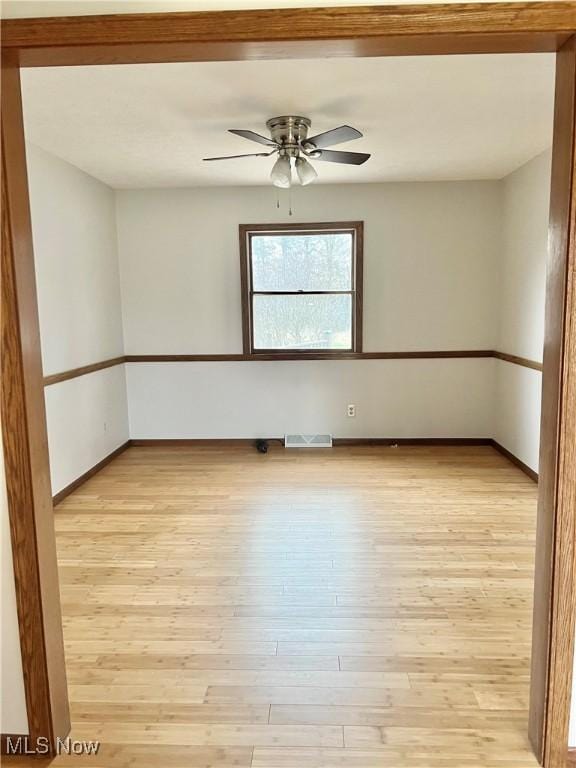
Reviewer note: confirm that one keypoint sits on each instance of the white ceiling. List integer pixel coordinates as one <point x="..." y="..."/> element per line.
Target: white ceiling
<point x="423" y="118"/>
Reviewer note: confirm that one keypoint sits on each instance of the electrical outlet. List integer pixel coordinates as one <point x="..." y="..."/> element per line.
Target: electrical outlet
<point x="351" y="410"/>
<point x="105" y="427"/>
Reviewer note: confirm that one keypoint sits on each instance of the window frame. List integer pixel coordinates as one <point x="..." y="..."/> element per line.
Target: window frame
<point x="247" y="231"/>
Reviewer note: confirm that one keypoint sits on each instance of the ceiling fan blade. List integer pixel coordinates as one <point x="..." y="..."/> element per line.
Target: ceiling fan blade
<point x="253" y="136"/>
<point x="335" y="136"/>
<point x="350" y="158"/>
<point x="233" y="157"/>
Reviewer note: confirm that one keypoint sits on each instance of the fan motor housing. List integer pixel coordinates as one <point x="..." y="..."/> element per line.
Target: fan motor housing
<point x="289" y="130"/>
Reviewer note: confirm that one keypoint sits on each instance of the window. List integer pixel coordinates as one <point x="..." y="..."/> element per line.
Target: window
<point x="301" y="288"/>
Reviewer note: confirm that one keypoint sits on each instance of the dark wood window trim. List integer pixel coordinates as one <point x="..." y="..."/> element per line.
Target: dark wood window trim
<point x="356" y="229"/>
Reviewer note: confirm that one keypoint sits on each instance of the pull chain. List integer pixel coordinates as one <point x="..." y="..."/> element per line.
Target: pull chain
<point x="290" y="210"/>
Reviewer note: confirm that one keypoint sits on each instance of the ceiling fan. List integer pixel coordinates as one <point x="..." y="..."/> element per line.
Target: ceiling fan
<point x="289" y="140"/>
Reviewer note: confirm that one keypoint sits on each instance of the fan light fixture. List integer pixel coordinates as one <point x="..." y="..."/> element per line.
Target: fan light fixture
<point x="281" y="174"/>
<point x="305" y="171"/>
<point x="289" y="140"/>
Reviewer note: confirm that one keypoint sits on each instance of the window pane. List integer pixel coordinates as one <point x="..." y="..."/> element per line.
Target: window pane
<point x="303" y="262"/>
<point x="303" y="322"/>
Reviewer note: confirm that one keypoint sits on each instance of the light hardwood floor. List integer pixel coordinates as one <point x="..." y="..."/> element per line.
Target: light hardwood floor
<point x="354" y="608"/>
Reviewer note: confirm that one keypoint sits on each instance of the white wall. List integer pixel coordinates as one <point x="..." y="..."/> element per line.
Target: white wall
<point x="517" y="411"/>
<point x="394" y="398"/>
<point x="430" y="257"/>
<point x="75" y="249"/>
<point x="74" y="231"/>
<point x="13" y="716"/>
<point x="526" y="204"/>
<point x="526" y="196"/>
<point x="87" y="419"/>
<point x="430" y="271"/>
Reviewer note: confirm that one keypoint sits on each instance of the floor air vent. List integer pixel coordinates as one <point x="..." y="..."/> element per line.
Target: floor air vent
<point x="308" y="441"/>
